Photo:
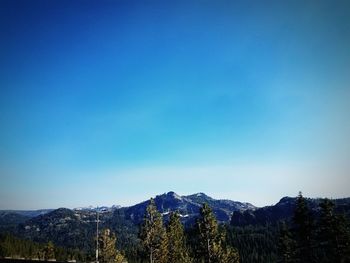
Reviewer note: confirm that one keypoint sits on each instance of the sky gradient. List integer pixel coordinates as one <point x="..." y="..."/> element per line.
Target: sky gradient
<point x="112" y="102"/>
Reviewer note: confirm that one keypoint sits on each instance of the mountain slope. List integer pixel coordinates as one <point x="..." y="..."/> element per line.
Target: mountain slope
<point x="10" y="219"/>
<point x="63" y="226"/>
<point x="187" y="206"/>
<point x="283" y="210"/>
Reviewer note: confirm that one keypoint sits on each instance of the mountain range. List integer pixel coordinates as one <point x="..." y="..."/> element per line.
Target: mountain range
<point x="76" y="228"/>
<point x="187" y="206"/>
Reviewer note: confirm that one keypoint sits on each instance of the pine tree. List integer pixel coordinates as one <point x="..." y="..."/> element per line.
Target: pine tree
<point x="108" y="251"/>
<point x="333" y="235"/>
<point x="286" y="245"/>
<point x="212" y="247"/>
<point x="119" y="258"/>
<point x="153" y="235"/>
<point x="303" y="230"/>
<point x="224" y="252"/>
<point x="49" y="251"/>
<point x="230" y="255"/>
<point x="177" y="251"/>
<point x="208" y="234"/>
<point x="342" y="233"/>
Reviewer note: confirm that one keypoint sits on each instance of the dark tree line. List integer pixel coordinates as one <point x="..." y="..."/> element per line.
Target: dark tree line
<point x="317" y="234"/>
<point x="308" y="238"/>
<point x="13" y="247"/>
<point x="255" y="243"/>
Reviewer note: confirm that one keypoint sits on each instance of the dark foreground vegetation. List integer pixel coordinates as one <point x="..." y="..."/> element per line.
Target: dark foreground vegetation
<point x="22" y="260"/>
<point x="310" y="234"/>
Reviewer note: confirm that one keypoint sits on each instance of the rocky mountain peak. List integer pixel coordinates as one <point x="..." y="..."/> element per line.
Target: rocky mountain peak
<point x="172" y="194"/>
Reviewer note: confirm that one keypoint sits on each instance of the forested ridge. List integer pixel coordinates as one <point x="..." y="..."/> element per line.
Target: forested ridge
<point x="305" y="232"/>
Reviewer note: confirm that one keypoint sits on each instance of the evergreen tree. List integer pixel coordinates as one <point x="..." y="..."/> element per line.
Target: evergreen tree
<point x="333" y="235"/>
<point x="230" y="255"/>
<point x="211" y="242"/>
<point x="49" y="251"/>
<point x="153" y="235"/>
<point x="208" y="234"/>
<point x="177" y="251"/>
<point x="226" y="253"/>
<point x="303" y="229"/>
<point x="286" y="245"/>
<point x="107" y="249"/>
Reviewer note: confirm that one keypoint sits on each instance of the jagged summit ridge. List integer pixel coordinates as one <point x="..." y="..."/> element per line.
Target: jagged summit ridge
<point x="187" y="205"/>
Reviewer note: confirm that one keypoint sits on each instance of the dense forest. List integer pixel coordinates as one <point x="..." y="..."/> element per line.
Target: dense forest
<point x="305" y="237"/>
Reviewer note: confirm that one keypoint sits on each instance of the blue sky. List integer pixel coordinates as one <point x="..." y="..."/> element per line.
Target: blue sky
<point x="112" y="102"/>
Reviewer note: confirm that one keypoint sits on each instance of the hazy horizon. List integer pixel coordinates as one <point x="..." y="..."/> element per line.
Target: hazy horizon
<point x="112" y="102"/>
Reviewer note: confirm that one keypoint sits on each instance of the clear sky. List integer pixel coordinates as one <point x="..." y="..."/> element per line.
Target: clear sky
<point x="112" y="102"/>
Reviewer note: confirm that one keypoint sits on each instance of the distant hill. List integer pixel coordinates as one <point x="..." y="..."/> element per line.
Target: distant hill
<point x="9" y="219"/>
<point x="66" y="227"/>
<point x="26" y="213"/>
<point x="75" y="228"/>
<point x="283" y="210"/>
